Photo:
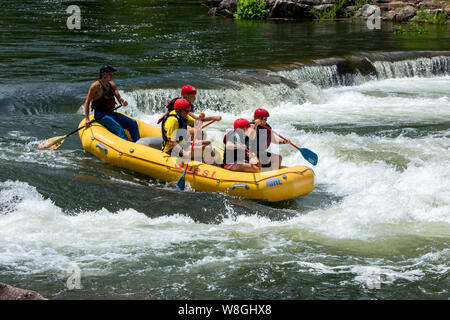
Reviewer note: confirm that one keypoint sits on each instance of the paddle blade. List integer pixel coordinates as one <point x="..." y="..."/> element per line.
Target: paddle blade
<point x="52" y="143"/>
<point x="310" y="156"/>
<point x="181" y="184"/>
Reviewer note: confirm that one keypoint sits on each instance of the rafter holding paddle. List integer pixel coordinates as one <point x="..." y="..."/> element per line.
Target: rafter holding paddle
<point x="55" y="142"/>
<point x="309" y="156"/>
<point x="181" y="184"/>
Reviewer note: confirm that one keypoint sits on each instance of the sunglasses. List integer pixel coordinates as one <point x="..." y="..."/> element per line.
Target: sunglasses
<point x="264" y="118"/>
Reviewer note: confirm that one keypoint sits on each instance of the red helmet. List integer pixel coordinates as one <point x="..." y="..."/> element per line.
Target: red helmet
<point x="182" y="104"/>
<point x="188" y="90"/>
<point x="261" y="113"/>
<point x="241" y="124"/>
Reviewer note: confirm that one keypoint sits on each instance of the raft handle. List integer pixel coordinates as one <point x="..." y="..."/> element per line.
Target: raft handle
<point x="101" y="146"/>
<point x="237" y="185"/>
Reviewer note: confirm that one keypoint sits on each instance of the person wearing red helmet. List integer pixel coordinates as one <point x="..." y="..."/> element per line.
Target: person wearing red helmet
<point x="236" y="156"/>
<point x="174" y="130"/>
<point x="189" y="93"/>
<point x="264" y="138"/>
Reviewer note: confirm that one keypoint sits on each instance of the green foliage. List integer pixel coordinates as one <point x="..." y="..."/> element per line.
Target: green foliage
<point x="251" y="10"/>
<point x="361" y="3"/>
<point x="416" y="28"/>
<point x="422" y="14"/>
<point x="438" y="18"/>
<point x="399" y="30"/>
<point x="336" y="11"/>
<point x="427" y="17"/>
<point x="412" y="27"/>
<point x="422" y="17"/>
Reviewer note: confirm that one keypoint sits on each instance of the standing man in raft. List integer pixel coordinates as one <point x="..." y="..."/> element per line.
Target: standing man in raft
<point x="102" y="94"/>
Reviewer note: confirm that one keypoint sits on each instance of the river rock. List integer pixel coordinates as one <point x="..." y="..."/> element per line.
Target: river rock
<point x="213" y="3"/>
<point x="290" y="9"/>
<point x="392" y="10"/>
<point x="8" y="292"/>
<point x="222" y="7"/>
<point x="364" y="11"/>
<point x="349" y="9"/>
<point x="212" y="11"/>
<point x="323" y="7"/>
<point x="429" y="4"/>
<point x="228" y="4"/>
<point x="405" y="13"/>
<point x="389" y="16"/>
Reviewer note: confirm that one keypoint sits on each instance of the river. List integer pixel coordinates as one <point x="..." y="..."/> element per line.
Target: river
<point x="373" y="106"/>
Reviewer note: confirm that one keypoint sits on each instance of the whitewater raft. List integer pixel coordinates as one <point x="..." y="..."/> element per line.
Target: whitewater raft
<point x="277" y="185"/>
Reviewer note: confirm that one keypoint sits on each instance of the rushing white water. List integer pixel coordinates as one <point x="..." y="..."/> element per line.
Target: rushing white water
<point x="384" y="157"/>
<point x="391" y="186"/>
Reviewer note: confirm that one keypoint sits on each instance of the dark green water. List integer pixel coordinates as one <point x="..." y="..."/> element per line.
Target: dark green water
<point x="374" y="107"/>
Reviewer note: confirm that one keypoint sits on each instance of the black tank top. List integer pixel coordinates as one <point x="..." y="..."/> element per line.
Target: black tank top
<point x="106" y="102"/>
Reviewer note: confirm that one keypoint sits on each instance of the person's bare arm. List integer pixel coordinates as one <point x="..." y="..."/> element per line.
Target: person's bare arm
<point x="210" y="118"/>
<point x="204" y="118"/>
<point x="87" y="102"/>
<point x="121" y="100"/>
<point x="281" y="141"/>
<point x="193" y="116"/>
<point x="231" y="146"/>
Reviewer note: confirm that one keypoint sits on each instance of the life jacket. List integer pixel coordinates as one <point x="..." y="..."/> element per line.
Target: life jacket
<point x="170" y="106"/>
<point x="226" y="159"/>
<point x="181" y="125"/>
<point x="106" y="102"/>
<point x="268" y="138"/>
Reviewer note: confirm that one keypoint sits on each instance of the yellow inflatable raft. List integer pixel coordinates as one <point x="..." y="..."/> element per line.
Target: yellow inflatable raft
<point x="277" y="185"/>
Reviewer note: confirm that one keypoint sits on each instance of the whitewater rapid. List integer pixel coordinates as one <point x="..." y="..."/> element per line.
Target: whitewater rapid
<point x="384" y="170"/>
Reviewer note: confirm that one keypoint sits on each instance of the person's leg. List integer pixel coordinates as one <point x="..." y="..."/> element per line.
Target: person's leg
<point x="111" y="124"/>
<point x="209" y="155"/>
<point x="275" y="161"/>
<point x="129" y="124"/>
<point x="191" y="132"/>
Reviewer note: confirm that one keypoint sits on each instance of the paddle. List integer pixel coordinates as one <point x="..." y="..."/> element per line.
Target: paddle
<point x="182" y="183"/>
<point x="55" y="142"/>
<point x="212" y="121"/>
<point x="306" y="153"/>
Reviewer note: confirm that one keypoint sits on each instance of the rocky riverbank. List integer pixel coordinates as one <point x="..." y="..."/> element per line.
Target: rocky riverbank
<point x="8" y="292"/>
<point x="391" y="10"/>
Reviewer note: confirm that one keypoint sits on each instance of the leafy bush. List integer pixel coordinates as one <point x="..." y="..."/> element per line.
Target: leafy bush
<point x="336" y="11"/>
<point x="398" y="30"/>
<point x="251" y="10"/>
<point x="427" y="17"/>
<point x="438" y="18"/>
<point x="361" y="3"/>
<point x="415" y="27"/>
<point x="412" y="27"/>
